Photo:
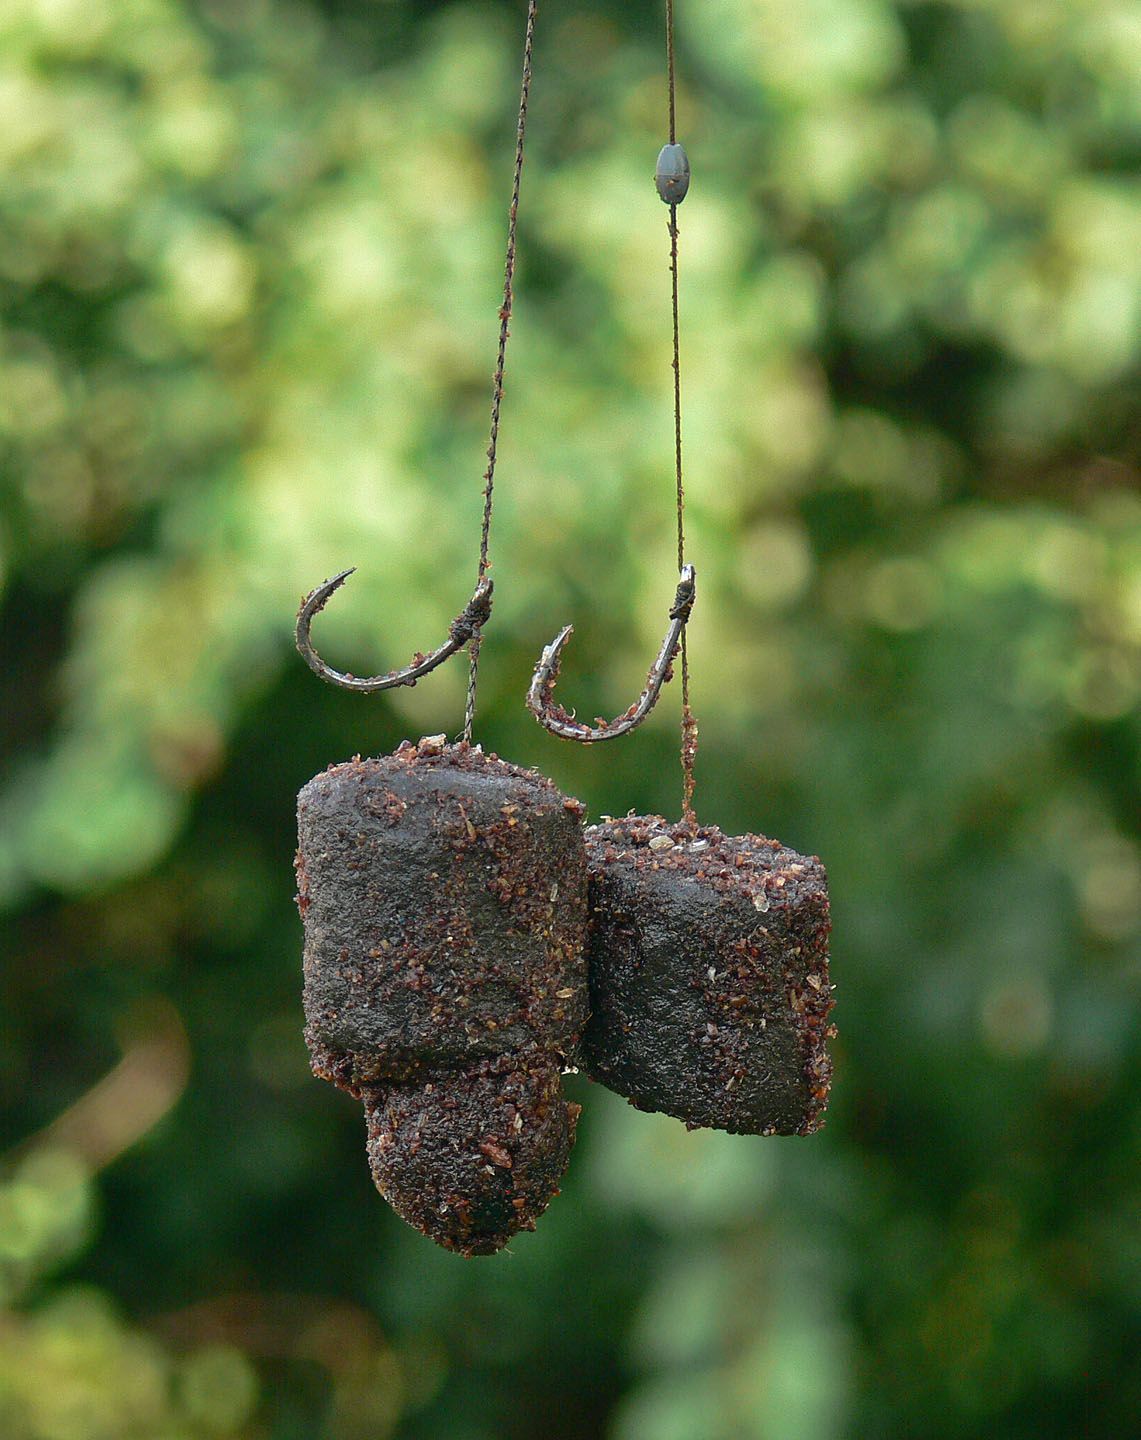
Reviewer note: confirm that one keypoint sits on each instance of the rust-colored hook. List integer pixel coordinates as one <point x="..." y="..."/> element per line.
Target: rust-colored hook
<point x="541" y="696"/>
<point x="467" y="623"/>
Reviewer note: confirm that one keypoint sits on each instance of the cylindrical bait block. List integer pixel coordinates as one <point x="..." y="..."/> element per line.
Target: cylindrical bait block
<point x="709" y="976"/>
<point x="472" y="1159"/>
<point x="443" y="894"/>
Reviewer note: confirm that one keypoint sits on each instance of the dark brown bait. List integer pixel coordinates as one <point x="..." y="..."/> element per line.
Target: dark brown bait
<point x="443" y="894"/>
<point x="708" y="976"/>
<point x="477" y="1157"/>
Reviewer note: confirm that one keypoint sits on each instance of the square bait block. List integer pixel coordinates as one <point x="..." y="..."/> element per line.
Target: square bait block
<point x="709" y="980"/>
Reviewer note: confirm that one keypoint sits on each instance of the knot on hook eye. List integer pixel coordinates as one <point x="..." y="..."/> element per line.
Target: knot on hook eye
<point x="551" y="715"/>
<point x="474" y="616"/>
<point x="686" y="595"/>
<point x="467" y="623"/>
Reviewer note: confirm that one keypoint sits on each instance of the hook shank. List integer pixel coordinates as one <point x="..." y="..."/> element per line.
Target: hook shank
<point x="467" y="623"/>
<point x="541" y="696"/>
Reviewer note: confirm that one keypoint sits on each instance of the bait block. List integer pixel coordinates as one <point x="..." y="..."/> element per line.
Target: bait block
<point x="443" y="896"/>
<point x="473" y="1159"/>
<point x="709" y="976"/>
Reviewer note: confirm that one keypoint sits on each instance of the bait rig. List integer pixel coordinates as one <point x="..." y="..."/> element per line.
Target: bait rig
<point x="467" y="940"/>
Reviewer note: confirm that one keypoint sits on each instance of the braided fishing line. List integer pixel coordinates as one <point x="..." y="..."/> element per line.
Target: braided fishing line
<point x="501" y="359"/>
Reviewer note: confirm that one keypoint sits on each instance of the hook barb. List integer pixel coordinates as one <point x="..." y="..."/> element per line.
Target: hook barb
<point x="541" y="696"/>
<point x="469" y="622"/>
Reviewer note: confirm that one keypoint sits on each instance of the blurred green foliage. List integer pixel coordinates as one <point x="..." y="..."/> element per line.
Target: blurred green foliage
<point x="250" y="259"/>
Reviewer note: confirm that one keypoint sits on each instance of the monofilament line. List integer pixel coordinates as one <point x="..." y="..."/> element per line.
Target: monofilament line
<point x="501" y="361"/>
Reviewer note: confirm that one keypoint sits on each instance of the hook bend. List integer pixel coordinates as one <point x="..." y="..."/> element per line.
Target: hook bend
<point x="541" y="696"/>
<point x="467" y="623"/>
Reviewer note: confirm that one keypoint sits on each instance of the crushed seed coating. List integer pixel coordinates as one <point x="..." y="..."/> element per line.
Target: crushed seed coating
<point x="710" y="993"/>
<point x="471" y="1159"/>
<point x="443" y="894"/>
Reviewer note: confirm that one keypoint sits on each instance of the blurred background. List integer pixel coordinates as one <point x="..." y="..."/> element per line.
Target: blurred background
<point x="250" y="262"/>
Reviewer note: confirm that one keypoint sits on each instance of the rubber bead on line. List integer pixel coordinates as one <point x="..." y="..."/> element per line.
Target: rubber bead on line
<point x="671" y="175"/>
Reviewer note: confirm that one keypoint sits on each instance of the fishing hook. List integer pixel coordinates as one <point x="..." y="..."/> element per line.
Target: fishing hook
<point x="467" y="624"/>
<point x="552" y="716"/>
